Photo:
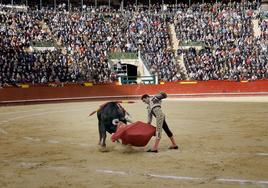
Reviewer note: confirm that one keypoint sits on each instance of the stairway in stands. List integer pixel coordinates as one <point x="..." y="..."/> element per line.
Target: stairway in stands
<point x="175" y="47"/>
<point x="256" y="28"/>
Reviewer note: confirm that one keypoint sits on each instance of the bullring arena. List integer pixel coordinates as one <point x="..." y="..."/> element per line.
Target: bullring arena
<point x="61" y="60"/>
<point x="223" y="143"/>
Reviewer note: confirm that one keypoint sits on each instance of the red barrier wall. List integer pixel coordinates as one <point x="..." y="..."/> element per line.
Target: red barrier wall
<point x="204" y="88"/>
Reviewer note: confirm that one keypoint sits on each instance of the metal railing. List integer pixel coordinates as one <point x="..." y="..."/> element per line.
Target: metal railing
<point x="137" y="79"/>
<point x="191" y="43"/>
<point x="123" y="55"/>
<point x="49" y="43"/>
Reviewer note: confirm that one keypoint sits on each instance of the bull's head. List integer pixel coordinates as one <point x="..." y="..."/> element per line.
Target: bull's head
<point x="118" y="121"/>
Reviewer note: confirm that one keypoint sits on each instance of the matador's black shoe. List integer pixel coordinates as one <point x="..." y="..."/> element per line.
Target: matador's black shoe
<point x="153" y="151"/>
<point x="173" y="147"/>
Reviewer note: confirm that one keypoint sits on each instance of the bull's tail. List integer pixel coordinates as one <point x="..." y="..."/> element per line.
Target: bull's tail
<point x="101" y="106"/>
<point x="130" y="102"/>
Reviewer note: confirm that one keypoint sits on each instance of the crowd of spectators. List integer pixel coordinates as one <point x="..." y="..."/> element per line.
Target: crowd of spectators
<point x="263" y="24"/>
<point x="83" y="52"/>
<point x="231" y="52"/>
<point x="127" y="31"/>
<point x="85" y="38"/>
<point x="150" y="34"/>
<point x="85" y="41"/>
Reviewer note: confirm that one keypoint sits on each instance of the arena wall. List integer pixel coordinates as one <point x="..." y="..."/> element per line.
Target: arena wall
<point x="38" y="93"/>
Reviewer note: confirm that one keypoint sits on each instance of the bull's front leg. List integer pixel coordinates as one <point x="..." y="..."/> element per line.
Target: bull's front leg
<point x="102" y="135"/>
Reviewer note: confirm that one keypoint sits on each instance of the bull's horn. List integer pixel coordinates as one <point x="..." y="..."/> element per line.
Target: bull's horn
<point x="92" y="113"/>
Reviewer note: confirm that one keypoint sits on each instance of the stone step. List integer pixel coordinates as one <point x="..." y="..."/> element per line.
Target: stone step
<point x="256" y="28"/>
<point x="175" y="47"/>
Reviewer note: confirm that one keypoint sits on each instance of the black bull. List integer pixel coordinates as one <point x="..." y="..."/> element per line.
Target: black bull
<point x="106" y="114"/>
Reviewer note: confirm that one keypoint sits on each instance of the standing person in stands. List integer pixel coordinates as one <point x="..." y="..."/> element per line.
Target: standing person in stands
<point x="154" y="109"/>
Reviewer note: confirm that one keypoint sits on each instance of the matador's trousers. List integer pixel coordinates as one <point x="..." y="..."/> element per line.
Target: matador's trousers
<point x="160" y="122"/>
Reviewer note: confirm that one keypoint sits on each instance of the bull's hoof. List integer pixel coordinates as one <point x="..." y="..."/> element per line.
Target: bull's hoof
<point x="118" y="142"/>
<point x="103" y="149"/>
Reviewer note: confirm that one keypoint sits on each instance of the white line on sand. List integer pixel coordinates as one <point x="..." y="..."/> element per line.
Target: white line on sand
<point x="137" y="96"/>
<point x="31" y="139"/>
<point x="82" y="144"/>
<point x="124" y="173"/>
<point x="28" y="138"/>
<point x="112" y="172"/>
<point x="241" y="181"/>
<point x="262" y="154"/>
<point x="187" y="178"/>
<point x="235" y="99"/>
<point x="3" y="131"/>
<point x="175" y="177"/>
<point x="41" y="113"/>
<point x="53" y="141"/>
<point x="22" y="111"/>
<point x="33" y="115"/>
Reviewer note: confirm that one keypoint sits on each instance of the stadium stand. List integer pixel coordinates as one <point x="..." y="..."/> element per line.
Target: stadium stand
<point x="54" y="45"/>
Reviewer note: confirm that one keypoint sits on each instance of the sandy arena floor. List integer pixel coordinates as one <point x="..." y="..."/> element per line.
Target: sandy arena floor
<point x="223" y="141"/>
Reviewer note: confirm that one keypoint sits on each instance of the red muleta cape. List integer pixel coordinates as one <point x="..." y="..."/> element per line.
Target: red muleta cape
<point x="136" y="134"/>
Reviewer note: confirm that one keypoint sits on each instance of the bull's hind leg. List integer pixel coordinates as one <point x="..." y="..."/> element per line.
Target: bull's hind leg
<point x="100" y="134"/>
<point x="103" y="144"/>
